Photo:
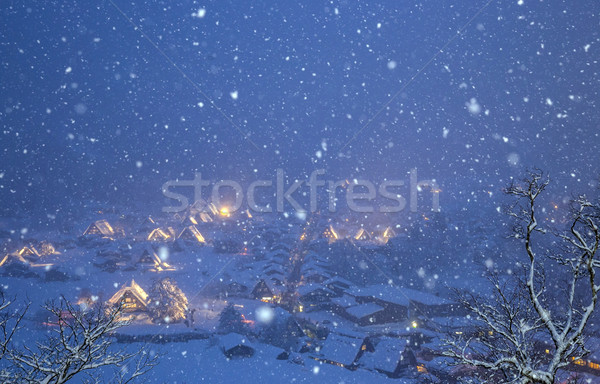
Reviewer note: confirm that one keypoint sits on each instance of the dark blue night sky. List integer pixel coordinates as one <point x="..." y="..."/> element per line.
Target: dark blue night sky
<point x="90" y="109"/>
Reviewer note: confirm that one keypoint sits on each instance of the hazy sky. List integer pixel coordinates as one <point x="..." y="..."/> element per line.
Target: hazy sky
<point x="92" y="108"/>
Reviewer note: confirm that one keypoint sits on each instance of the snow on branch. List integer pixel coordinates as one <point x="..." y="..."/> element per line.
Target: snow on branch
<point x="524" y="337"/>
<point x="80" y="344"/>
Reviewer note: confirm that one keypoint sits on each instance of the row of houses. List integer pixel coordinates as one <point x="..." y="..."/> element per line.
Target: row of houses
<point x="391" y="356"/>
<point x="190" y="233"/>
<point x="223" y="239"/>
<point x="30" y="256"/>
<point x="362" y="234"/>
<point x="376" y="304"/>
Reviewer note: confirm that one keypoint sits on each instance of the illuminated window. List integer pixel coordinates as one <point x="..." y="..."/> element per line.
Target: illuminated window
<point x="593" y="365"/>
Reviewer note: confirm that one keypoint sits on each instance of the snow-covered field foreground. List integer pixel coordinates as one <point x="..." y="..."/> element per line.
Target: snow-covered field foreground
<point x="203" y="361"/>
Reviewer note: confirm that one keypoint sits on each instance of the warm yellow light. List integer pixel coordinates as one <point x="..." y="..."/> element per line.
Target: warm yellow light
<point x="224" y="211"/>
<point x="414" y="324"/>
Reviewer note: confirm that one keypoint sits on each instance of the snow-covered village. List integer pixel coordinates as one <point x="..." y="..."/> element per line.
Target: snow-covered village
<point x="217" y="289"/>
<point x="311" y="192"/>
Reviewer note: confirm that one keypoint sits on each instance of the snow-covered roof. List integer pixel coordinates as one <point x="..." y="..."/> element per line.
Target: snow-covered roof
<point x="316" y="272"/>
<point x="191" y="233"/>
<point x="387" y="355"/>
<point x="159" y="234"/>
<point x="363" y="234"/>
<point x="344" y="301"/>
<point x="134" y="289"/>
<point x="315" y="264"/>
<point x="310" y="288"/>
<point x="13" y="259"/>
<point x="398" y="295"/>
<point x="340" y="349"/>
<point x="315" y="258"/>
<point x="424" y="297"/>
<point x="274" y="267"/>
<point x="101" y="227"/>
<point x="363" y="310"/>
<point x="338" y="281"/>
<point x="232" y="340"/>
<point x="383" y="292"/>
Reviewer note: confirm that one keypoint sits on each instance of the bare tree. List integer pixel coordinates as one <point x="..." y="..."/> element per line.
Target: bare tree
<point x="9" y="323"/>
<point x="79" y="346"/>
<point x="526" y="336"/>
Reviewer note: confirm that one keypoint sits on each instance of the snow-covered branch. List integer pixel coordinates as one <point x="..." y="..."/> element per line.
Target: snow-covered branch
<point x="80" y="344"/>
<point x="526" y="338"/>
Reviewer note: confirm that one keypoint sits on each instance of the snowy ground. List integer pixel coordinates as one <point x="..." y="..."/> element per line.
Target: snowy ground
<point x="199" y="361"/>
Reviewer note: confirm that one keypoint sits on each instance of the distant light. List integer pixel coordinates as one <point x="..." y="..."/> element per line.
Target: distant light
<point x="414" y="324"/>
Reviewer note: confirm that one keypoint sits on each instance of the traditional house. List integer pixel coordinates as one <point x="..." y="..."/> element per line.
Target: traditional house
<point x="591" y="362"/>
<point x="152" y="262"/>
<point x="22" y="260"/>
<point x="314" y="294"/>
<point x="330" y="234"/>
<point x="179" y="217"/>
<point x="280" y="246"/>
<point x="283" y="331"/>
<point x="278" y="256"/>
<point x="100" y="228"/>
<point x="366" y="314"/>
<point x="395" y="304"/>
<point x="363" y="235"/>
<point x="313" y="259"/>
<point x="29" y="253"/>
<point x="132" y="297"/>
<point x="314" y="275"/>
<point x="13" y="259"/>
<point x="274" y="269"/>
<point x="392" y="357"/>
<point x="423" y="304"/>
<point x="46" y="249"/>
<point x="147" y="225"/>
<point x="191" y="234"/>
<point x="343" y="350"/>
<point x="205" y="217"/>
<point x="235" y="289"/>
<point x="387" y="234"/>
<point x="265" y="291"/>
<point x="338" y="284"/>
<point x="160" y="234"/>
<point x="235" y="345"/>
